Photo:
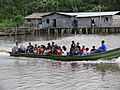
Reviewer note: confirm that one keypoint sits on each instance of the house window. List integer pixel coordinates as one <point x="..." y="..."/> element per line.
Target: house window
<point x="106" y="19"/>
<point x="40" y="21"/>
<point x="47" y="21"/>
<point x="28" y="20"/>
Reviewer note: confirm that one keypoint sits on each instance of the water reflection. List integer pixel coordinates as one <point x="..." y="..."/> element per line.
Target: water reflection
<point x="106" y="67"/>
<point x="75" y="66"/>
<point x="56" y="64"/>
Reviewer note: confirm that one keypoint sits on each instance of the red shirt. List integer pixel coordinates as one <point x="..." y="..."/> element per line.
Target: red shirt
<point x="82" y="50"/>
<point x="59" y="52"/>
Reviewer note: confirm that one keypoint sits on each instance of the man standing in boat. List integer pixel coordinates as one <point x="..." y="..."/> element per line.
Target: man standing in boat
<point x="103" y="48"/>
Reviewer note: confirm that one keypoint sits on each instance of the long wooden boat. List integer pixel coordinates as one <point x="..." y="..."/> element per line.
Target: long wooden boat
<point x="110" y="54"/>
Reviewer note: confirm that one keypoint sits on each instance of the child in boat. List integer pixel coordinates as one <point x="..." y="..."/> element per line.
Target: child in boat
<point x="49" y="47"/>
<point x="83" y="48"/>
<point x="35" y="49"/>
<point x="78" y="46"/>
<point x="64" y="52"/>
<point x="42" y="49"/>
<point x="30" y="48"/>
<point x="77" y="51"/>
<point x="93" y="49"/>
<point x="38" y="49"/>
<point x="85" y="52"/>
<point x="53" y="44"/>
<point x="59" y="51"/>
<point x="53" y="51"/>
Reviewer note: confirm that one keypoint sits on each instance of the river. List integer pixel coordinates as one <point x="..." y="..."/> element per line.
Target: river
<point x="20" y="73"/>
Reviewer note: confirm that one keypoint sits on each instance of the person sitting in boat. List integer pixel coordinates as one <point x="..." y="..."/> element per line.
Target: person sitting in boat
<point x="56" y="46"/>
<point x="103" y="48"/>
<point x="72" y="48"/>
<point x="42" y="49"/>
<point x="85" y="52"/>
<point x="30" y="45"/>
<point x="49" y="47"/>
<point x="35" y="49"/>
<point x="76" y="51"/>
<point x="15" y="49"/>
<point x="30" y="48"/>
<point x="64" y="52"/>
<point x="59" y="51"/>
<point x="22" y="49"/>
<point x="93" y="49"/>
<point x="78" y="46"/>
<point x="52" y="52"/>
<point x="38" y="50"/>
<point x="27" y="50"/>
<point x="53" y="44"/>
<point x="83" y="48"/>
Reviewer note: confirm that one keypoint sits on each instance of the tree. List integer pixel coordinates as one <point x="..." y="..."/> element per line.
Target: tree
<point x="18" y="19"/>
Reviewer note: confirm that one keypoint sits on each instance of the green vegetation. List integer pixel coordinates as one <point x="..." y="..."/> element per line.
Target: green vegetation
<point x="13" y="11"/>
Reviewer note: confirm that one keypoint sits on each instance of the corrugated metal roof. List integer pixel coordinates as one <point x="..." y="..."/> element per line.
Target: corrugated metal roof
<point x="90" y="14"/>
<point x="35" y="16"/>
<point x="94" y="14"/>
<point x="69" y="14"/>
<point x="80" y="14"/>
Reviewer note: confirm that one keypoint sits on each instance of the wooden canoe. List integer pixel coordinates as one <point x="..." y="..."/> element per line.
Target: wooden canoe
<point x="110" y="54"/>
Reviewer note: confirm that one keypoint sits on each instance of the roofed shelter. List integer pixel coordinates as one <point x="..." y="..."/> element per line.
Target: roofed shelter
<point x="81" y="19"/>
<point x="34" y="20"/>
<point x="59" y="20"/>
<point x="99" y="19"/>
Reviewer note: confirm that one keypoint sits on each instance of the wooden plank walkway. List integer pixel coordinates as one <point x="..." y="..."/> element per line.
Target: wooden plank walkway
<point x="59" y="31"/>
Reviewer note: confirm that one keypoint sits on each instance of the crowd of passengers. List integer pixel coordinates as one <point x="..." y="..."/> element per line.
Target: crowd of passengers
<point x="54" y="49"/>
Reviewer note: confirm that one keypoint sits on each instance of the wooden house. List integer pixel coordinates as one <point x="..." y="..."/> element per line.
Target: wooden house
<point x="59" y="20"/>
<point x="99" y="19"/>
<point x="34" y="20"/>
<point x="71" y="20"/>
<point x="81" y="19"/>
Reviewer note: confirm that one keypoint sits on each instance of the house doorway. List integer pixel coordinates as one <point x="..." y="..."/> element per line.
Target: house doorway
<point x="75" y="23"/>
<point x="54" y="22"/>
<point x="92" y="22"/>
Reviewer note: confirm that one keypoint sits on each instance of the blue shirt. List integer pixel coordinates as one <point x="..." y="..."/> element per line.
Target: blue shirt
<point x="103" y="48"/>
<point x="84" y="53"/>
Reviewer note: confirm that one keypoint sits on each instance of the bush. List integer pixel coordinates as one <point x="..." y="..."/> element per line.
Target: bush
<point x="7" y="23"/>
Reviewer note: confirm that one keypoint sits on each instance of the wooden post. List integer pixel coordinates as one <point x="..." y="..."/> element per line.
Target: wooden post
<point x="62" y="31"/>
<point x="68" y="31"/>
<point x="48" y="31"/>
<point x="92" y="31"/>
<point x="75" y="31"/>
<point x="56" y="31"/>
<point x="107" y="30"/>
<point x="86" y="30"/>
<point x="80" y="30"/>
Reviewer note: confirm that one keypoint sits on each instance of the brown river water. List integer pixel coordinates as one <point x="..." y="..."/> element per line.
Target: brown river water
<point x="21" y="73"/>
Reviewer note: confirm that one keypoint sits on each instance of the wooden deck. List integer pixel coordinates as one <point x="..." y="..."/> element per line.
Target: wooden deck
<point x="78" y="30"/>
<point x="9" y="31"/>
<point x="58" y="31"/>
